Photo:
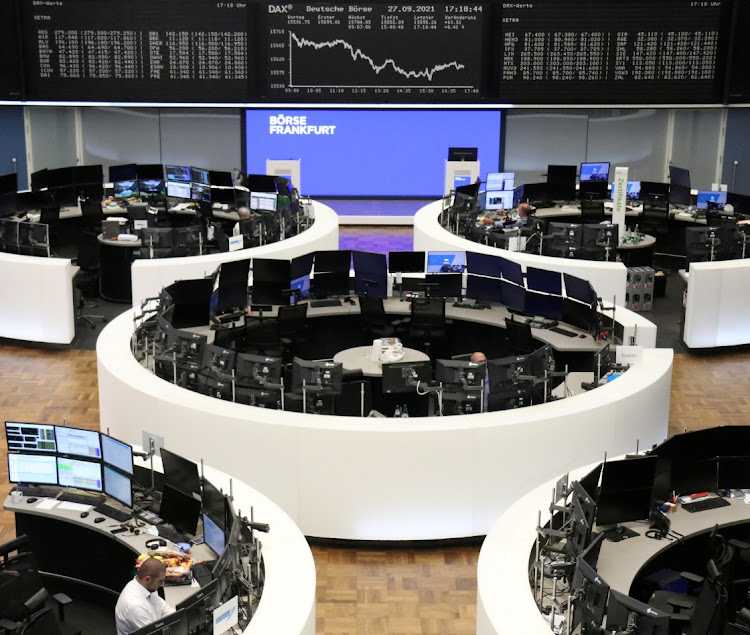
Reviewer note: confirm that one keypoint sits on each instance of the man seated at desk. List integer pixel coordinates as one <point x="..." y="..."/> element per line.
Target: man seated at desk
<point x="244" y="214"/>
<point x="139" y="604"/>
<point x="510" y="221"/>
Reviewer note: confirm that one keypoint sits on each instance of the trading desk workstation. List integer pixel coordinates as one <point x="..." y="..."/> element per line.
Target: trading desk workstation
<point x="88" y="515"/>
<point x="637" y="551"/>
<point x="456" y="494"/>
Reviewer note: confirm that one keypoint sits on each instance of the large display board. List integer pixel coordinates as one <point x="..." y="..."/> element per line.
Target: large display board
<point x="600" y="51"/>
<point x="11" y="83"/>
<point x="137" y="50"/>
<point x="374" y="52"/>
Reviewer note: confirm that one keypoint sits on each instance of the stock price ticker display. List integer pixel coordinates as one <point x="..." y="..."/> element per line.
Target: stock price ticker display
<point x="585" y="51"/>
<point x="137" y="50"/>
<point x="374" y="52"/>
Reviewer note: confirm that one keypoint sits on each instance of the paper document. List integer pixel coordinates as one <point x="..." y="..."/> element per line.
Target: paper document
<point x="76" y="507"/>
<point x="47" y="503"/>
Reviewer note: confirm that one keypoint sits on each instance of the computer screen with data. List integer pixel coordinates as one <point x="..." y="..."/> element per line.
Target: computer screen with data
<point x="178" y="189"/>
<point x="117" y="454"/>
<point x="498" y="199"/>
<point x="213" y="535"/>
<point x="79" y="474"/>
<point x="500" y="181"/>
<point x="711" y="200"/>
<point x="264" y="201"/>
<point x="118" y="486"/>
<point x="446" y="261"/>
<point x="30" y="437"/>
<point x="595" y="171"/>
<point x="178" y="173"/>
<point x="32" y="469"/>
<point x="78" y="442"/>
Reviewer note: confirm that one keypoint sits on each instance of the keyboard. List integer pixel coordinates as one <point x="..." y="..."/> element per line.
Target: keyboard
<point x="557" y="329"/>
<point x="83" y="499"/>
<point x="177" y="581"/>
<point x="171" y="534"/>
<point x="120" y="515"/>
<point x="708" y="503"/>
<point x="39" y="492"/>
<point x="202" y="572"/>
<point x="317" y="304"/>
<point x="464" y="305"/>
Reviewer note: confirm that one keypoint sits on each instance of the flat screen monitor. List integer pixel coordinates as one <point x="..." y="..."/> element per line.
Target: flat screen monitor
<point x="456" y="374"/>
<point x="150" y="171"/>
<point x="30" y="437"/>
<point x="60" y="177"/>
<point x="199" y="175"/>
<point x="9" y="183"/>
<point x="220" y="179"/>
<point x="213" y="535"/>
<point x="446" y="261"/>
<point x="369" y="262"/>
<point x="180" y="509"/>
<point x="500" y="181"/>
<point x="117" y="454"/>
<point x="32" y="469"/>
<point x="218" y="359"/>
<point x="406" y="261"/>
<point x="403" y="377"/>
<point x="317" y="376"/>
<point x="271" y="271"/>
<point x="711" y="200"/>
<point x="118" y="486"/>
<point x="263" y="201"/>
<point x="626" y="614"/>
<point x="180" y="472"/>
<point x="694" y="477"/>
<point x="260" y="183"/>
<point x="325" y="285"/>
<point x="462" y="154"/>
<point x="544" y="305"/>
<point x="39" y="180"/>
<point x="302" y="285"/>
<point x="513" y="296"/>
<point x="626" y="491"/>
<point x="484" y="264"/>
<point x="302" y="265"/>
<point x="80" y="474"/>
<point x="496" y="199"/>
<point x="258" y="370"/>
<point x="152" y="188"/>
<point x="651" y="190"/>
<point x="590" y="482"/>
<point x="127" y="172"/>
<point x="593" y="190"/>
<point x="543" y="280"/>
<point x="511" y="271"/>
<point x="443" y="285"/>
<point x="214" y="504"/>
<point x="594" y="171"/>
<point x="173" y="624"/>
<point x="634" y="189"/>
<point x="178" y="189"/>
<point x="484" y="289"/>
<point x="591" y="605"/>
<point x="178" y="173"/>
<point x="734" y="472"/>
<point x="371" y="283"/>
<point x="561" y="181"/>
<point x="679" y="176"/>
<point x="200" y="192"/>
<point x="579" y="289"/>
<point x="232" y="289"/>
<point x="126" y="189"/>
<point x="198" y="608"/>
<point x="679" y="195"/>
<point x="191" y="299"/>
<point x="78" y="442"/>
<point x="333" y="261"/>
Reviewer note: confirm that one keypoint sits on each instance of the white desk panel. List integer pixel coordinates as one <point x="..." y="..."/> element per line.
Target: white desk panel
<point x="37" y="299"/>
<point x="381" y="479"/>
<point x="607" y="278"/>
<point x="718" y="304"/>
<point x="149" y="277"/>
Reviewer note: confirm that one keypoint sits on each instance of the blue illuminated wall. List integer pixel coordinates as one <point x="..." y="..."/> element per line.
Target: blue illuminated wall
<point x="377" y="153"/>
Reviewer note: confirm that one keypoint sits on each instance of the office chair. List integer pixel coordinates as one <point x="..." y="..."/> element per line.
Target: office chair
<point x="592" y="212"/>
<point x="50" y="216"/>
<point x="292" y="324"/>
<point x="655" y="218"/>
<point x="355" y="399"/>
<point x="520" y="339"/>
<point x="86" y="280"/>
<point x="427" y="321"/>
<point x="91" y="210"/>
<point x="373" y="319"/>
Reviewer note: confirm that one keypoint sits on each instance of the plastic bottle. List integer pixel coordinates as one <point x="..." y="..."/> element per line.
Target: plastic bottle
<point x="405" y="413"/>
<point x="397" y="412"/>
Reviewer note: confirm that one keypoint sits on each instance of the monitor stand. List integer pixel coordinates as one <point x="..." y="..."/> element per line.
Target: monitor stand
<point x="618" y="534"/>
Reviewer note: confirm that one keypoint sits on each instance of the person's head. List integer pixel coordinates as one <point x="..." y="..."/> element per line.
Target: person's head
<point x="243" y="212"/>
<point x="478" y="357"/>
<point x="524" y="209"/>
<point x="151" y="574"/>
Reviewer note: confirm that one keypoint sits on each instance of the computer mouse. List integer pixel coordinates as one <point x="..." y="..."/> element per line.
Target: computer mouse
<point x="620" y="530"/>
<point x="100" y="519"/>
<point x="352" y="302"/>
<point x="581" y="335"/>
<point x="84" y="514"/>
<point x="33" y="499"/>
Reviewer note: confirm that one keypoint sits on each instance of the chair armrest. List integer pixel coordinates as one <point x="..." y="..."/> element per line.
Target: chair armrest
<point x="9" y="626"/>
<point x="692" y="577"/>
<point x="681" y="603"/>
<point x="62" y="601"/>
<point x="740" y="544"/>
<point x="680" y="617"/>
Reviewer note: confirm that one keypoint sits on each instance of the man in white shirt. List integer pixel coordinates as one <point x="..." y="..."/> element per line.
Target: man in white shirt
<point x="139" y="605"/>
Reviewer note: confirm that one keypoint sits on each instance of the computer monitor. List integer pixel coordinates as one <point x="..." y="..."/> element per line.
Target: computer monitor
<point x="60" y="177"/>
<point x="302" y="285"/>
<point x="561" y="181"/>
<point x="180" y="509"/>
<point x="302" y="265"/>
<point x="626" y="491"/>
<point x="152" y="188"/>
<point x="178" y="189"/>
<point x="484" y="264"/>
<point x="260" y="183"/>
<point x="462" y="154"/>
<point x="484" y="289"/>
<point x="406" y="261"/>
<point x="711" y="200"/>
<point x="32" y="469"/>
<point x="270" y="278"/>
<point x="180" y="472"/>
<point x="634" y="189"/>
<point x="500" y="181"/>
<point x="592" y="592"/>
<point x="446" y="261"/>
<point x="214" y="504"/>
<point x="593" y="190"/>
<point x="264" y="201"/>
<point x="150" y="171"/>
<point x="191" y="300"/>
<point x="579" y="289"/>
<point x="457" y="375"/>
<point x="127" y="172"/>
<point x="213" y="535"/>
<point x="734" y="472"/>
<point x="78" y="442"/>
<point x="198" y="608"/>
<point x="173" y="624"/>
<point x="594" y="171"/>
<point x="217" y="359"/>
<point x="80" y="474"/>
<point x="186" y="346"/>
<point x="231" y="293"/>
<point x="497" y="199"/>
<point x="178" y="173"/>
<point x="442" y="285"/>
<point x="693" y="477"/>
<point x="600" y="241"/>
<point x="30" y="437"/>
<point x="117" y="454"/>
<point x="258" y="397"/>
<point x="590" y="482"/>
<point x="157" y="237"/>
<point x="403" y="377"/>
<point x="626" y="614"/>
<point x="118" y="486"/>
<point x="654" y="190"/>
<point x="338" y="261"/>
<point x="511" y="271"/>
<point x="9" y="183"/>
<point x="565" y="240"/>
<point x="507" y="388"/>
<point x="324" y="285"/>
<point x="200" y="192"/>
<point x="126" y="189"/>
<point x="199" y="175"/>
<point x="679" y="195"/>
<point x="258" y="370"/>
<point x="366" y="262"/>
<point x="220" y="179"/>
<point x="543" y="280"/>
<point x="543" y="305"/>
<point x="317" y="376"/>
<point x="679" y="176"/>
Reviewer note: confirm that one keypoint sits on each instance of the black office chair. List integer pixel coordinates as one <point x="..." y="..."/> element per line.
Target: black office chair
<point x="655" y="218"/>
<point x="292" y="325"/>
<point x="520" y="340"/>
<point x="592" y="212"/>
<point x="86" y="280"/>
<point x="373" y="319"/>
<point x="91" y="210"/>
<point x="427" y="322"/>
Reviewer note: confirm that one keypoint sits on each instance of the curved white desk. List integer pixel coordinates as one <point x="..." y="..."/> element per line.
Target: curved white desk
<point x="149" y="277"/>
<point x="288" y="601"/>
<point x="358" y="358"/>
<point x="607" y="278"/>
<point x="37" y="299"/>
<point x="384" y="479"/>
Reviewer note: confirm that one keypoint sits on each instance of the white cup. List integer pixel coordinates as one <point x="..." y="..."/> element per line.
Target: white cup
<point x="15" y="496"/>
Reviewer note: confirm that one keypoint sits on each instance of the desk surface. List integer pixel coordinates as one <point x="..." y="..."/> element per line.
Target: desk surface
<point x="358" y="358"/>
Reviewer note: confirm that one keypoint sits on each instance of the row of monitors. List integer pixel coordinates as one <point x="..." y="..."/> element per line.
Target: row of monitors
<point x="24" y="238"/>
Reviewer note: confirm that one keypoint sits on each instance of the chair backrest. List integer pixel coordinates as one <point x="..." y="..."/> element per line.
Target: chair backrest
<point x="592" y="211"/>
<point x="49" y="215"/>
<point x="88" y="251"/>
<point x="371" y="309"/>
<point x="708" y="611"/>
<point x="519" y="336"/>
<point x="91" y="209"/>
<point x="428" y="312"/>
<point x="353" y="395"/>
<point x="655" y="211"/>
<point x="292" y="319"/>
<point x="42" y="622"/>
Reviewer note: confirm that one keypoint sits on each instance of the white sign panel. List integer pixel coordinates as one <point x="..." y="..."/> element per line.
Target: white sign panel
<point x="225" y="616"/>
<point x="629" y="355"/>
<point x="619" y="198"/>
<point x="236" y="242"/>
